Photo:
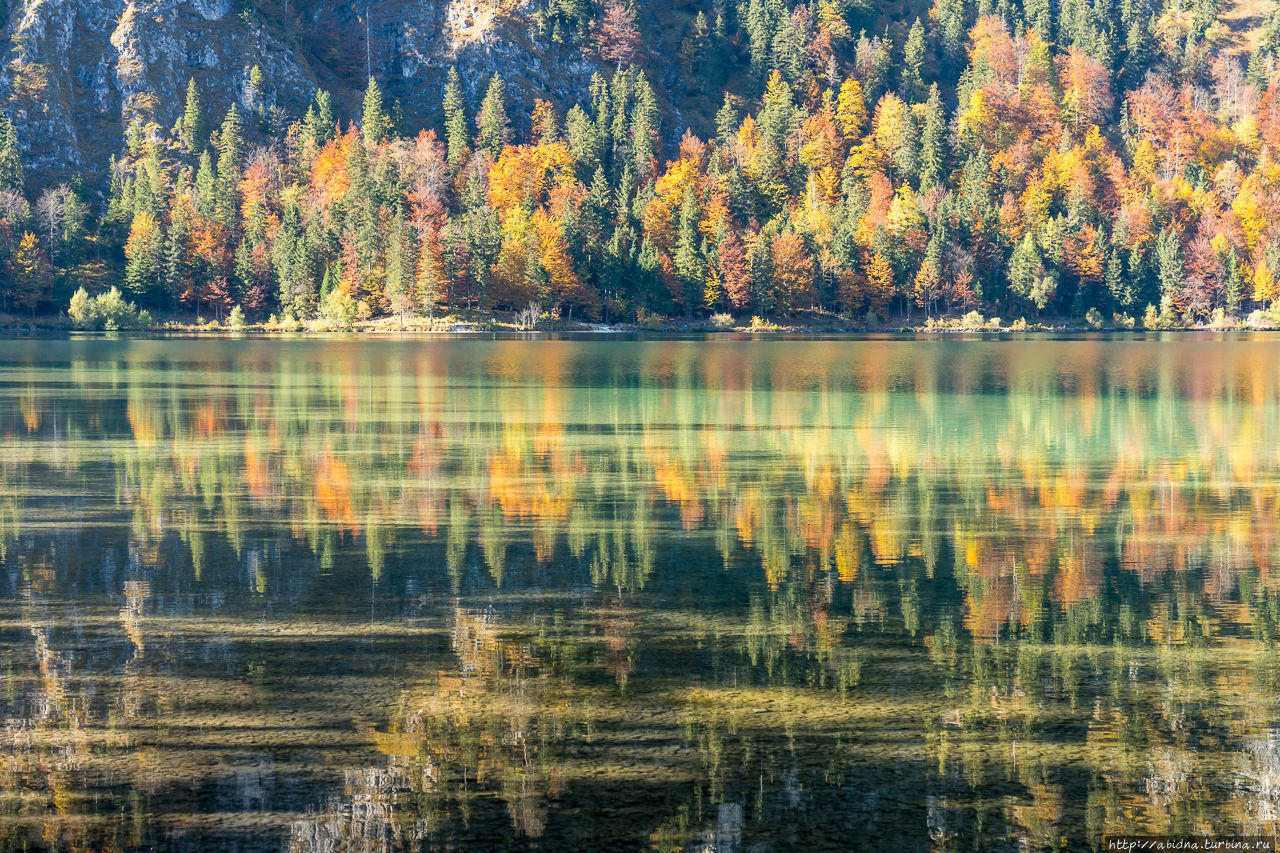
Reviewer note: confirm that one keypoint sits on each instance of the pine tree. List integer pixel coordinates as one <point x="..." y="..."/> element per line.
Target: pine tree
<point x="789" y="49"/>
<point x="933" y="141"/>
<point x="778" y="115"/>
<point x="178" y="274"/>
<point x="1039" y="16"/>
<point x="457" y="138"/>
<point x="492" y="122"/>
<point x="1138" y="48"/>
<point x="951" y="32"/>
<point x="644" y="127"/>
<point x="1025" y="267"/>
<point x="584" y="140"/>
<point x="913" y="54"/>
<point x="400" y="268"/>
<point x="324" y="120"/>
<point x="230" y="162"/>
<point x="1114" y="279"/>
<point x="11" y="176"/>
<point x="1235" y="282"/>
<point x="1169" y="266"/>
<point x="143" y="253"/>
<point x="150" y="188"/>
<point x="206" y="185"/>
<point x="760" y="24"/>
<point x="242" y="271"/>
<point x="374" y="123"/>
<point x="191" y="129"/>
<point x="73" y="228"/>
<point x="726" y="121"/>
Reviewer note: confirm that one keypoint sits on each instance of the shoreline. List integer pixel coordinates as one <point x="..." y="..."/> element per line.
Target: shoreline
<point x="497" y="323"/>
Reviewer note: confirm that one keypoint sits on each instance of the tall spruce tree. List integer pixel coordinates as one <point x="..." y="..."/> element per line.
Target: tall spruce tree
<point x="374" y="123"/>
<point x="191" y="129"/>
<point x="230" y="162"/>
<point x="913" y="56"/>
<point x="492" y="123"/>
<point x="457" y="137"/>
<point x="933" y="141"/>
<point x="11" y="172"/>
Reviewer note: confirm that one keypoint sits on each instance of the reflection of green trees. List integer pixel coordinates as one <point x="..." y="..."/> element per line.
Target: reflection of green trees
<point x="1055" y="496"/>
<point x="795" y="641"/>
<point x="1041" y="600"/>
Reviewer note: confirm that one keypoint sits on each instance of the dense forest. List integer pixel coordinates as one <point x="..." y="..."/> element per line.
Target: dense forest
<point x="1035" y="159"/>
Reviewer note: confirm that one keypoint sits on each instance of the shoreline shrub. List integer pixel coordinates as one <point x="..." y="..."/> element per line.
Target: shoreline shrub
<point x="107" y="311"/>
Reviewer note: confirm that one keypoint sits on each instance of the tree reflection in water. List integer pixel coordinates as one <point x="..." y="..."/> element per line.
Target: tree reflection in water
<point x="675" y="595"/>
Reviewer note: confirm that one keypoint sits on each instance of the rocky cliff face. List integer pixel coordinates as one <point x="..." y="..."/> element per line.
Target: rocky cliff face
<point x="81" y="71"/>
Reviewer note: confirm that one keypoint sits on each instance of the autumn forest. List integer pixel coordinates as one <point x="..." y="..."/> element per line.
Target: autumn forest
<point x="1114" y="163"/>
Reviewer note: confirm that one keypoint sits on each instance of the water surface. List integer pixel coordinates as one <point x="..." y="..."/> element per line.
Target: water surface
<point x="597" y="594"/>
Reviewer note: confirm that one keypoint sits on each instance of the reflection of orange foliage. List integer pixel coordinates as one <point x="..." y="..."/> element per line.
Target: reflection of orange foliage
<point x="333" y="490"/>
<point x="993" y="602"/>
<point x="521" y="495"/>
<point x="209" y="421"/>
<point x="888" y="458"/>
<point x="143" y="431"/>
<point x="257" y="475"/>
<point x="1075" y="581"/>
<point x="848" y="554"/>
<point x="30" y="410"/>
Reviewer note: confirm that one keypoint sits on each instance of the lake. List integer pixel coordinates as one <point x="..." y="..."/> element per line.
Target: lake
<point x="589" y="593"/>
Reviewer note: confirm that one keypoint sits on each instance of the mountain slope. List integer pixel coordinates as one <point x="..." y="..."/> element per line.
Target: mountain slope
<point x="83" y="70"/>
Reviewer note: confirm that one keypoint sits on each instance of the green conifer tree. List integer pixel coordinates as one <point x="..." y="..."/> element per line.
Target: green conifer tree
<point x="374" y="124"/>
<point x="1169" y="266"/>
<point x="325" y="118"/>
<point x="933" y="141"/>
<point x="191" y="128"/>
<point x="1235" y="282"/>
<point x="726" y="121"/>
<point x="457" y="137"/>
<point x="230" y="162"/>
<point x="11" y="172"/>
<point x="493" y="124"/>
<point x="913" y="56"/>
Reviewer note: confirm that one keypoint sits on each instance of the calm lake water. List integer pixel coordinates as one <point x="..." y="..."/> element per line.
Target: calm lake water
<point x="600" y="594"/>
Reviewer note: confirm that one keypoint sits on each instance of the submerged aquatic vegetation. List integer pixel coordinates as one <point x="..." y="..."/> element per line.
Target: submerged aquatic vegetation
<point x="648" y="594"/>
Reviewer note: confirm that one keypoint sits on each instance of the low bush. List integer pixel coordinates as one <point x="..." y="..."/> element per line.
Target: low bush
<point x="650" y="322"/>
<point x="107" y="311"/>
<point x="1264" y="318"/>
<point x="340" y="308"/>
